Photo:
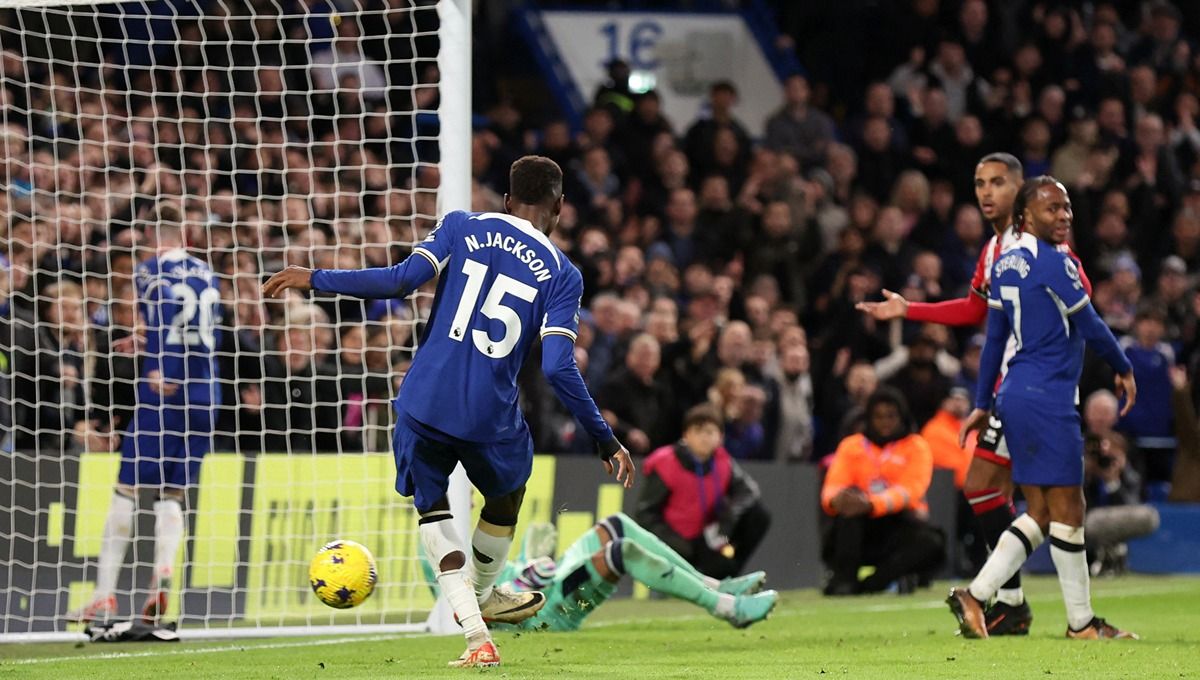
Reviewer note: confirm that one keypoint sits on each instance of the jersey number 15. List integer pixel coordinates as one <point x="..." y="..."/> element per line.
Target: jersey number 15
<point x="493" y="308"/>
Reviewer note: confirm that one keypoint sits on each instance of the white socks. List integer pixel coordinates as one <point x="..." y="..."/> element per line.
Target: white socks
<point x="439" y="539"/>
<point x="1070" y="561"/>
<point x="117" y="530"/>
<point x="489" y="554"/>
<point x="1011" y="551"/>
<point x="456" y="587"/>
<point x="168" y="533"/>
<point x="1012" y="596"/>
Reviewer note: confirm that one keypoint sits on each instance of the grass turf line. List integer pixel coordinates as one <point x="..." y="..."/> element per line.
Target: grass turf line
<point x="807" y="636"/>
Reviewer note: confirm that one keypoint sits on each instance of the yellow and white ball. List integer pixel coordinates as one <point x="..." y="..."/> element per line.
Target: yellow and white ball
<point x="342" y="574"/>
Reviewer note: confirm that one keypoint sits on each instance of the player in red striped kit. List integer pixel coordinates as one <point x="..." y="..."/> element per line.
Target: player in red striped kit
<point x="988" y="487"/>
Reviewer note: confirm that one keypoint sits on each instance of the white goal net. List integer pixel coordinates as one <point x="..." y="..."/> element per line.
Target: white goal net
<point x="286" y="132"/>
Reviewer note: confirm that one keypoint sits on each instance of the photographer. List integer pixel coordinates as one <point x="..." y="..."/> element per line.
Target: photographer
<point x="1115" y="512"/>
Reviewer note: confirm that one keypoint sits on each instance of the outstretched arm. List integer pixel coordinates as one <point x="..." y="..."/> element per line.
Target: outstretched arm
<point x="378" y="282"/>
<point x="425" y="262"/>
<point x="558" y="365"/>
<point x="970" y="310"/>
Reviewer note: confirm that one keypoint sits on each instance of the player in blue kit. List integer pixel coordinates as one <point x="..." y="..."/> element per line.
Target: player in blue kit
<point x="171" y="429"/>
<point x="502" y="284"/>
<point x="1037" y="296"/>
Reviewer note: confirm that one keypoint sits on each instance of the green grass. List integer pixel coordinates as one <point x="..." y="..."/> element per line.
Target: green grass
<point x="807" y="636"/>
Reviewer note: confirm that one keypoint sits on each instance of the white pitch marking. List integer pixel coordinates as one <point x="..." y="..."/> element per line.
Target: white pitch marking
<point x="206" y="650"/>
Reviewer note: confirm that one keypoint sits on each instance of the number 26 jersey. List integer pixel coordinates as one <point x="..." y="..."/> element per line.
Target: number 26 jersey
<point x="181" y="305"/>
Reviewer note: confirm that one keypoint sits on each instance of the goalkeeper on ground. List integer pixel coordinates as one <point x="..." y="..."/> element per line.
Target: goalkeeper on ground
<point x="589" y="570"/>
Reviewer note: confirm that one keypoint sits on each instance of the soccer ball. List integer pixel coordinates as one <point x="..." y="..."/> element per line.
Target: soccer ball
<point x="342" y="574"/>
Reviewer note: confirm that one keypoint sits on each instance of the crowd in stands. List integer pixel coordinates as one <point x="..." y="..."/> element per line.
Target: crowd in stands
<point x="719" y="268"/>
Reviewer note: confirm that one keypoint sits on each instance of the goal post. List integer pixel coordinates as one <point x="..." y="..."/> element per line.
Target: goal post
<point x="326" y="134"/>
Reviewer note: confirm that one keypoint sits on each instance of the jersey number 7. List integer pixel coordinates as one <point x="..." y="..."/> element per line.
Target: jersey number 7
<point x="493" y="308"/>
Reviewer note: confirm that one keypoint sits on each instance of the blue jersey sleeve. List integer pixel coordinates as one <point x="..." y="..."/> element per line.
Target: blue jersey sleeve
<point x="1061" y="277"/>
<point x="425" y="262"/>
<point x="1064" y="281"/>
<point x="562" y="309"/>
<point x="1100" y="338"/>
<point x="440" y="243"/>
<point x="395" y="281"/>
<point x="998" y="329"/>
<point x="558" y="359"/>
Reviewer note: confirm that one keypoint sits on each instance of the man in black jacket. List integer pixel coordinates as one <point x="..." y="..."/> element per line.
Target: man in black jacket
<point x="638" y="401"/>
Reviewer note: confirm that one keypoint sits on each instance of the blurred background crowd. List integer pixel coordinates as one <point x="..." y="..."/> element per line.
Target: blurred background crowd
<point x="718" y="267"/>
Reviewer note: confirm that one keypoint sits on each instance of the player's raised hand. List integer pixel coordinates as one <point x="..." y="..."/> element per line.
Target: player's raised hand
<point x="975" y="421"/>
<point x="296" y="277"/>
<point x="625" y="468"/>
<point x="1126" y="387"/>
<point x="129" y="344"/>
<point x="894" y="306"/>
<point x="160" y="385"/>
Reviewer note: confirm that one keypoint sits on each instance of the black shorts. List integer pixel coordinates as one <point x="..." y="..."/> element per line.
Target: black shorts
<point x="991" y="445"/>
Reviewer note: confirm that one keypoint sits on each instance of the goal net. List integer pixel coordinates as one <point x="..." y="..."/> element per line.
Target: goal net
<point x="309" y="132"/>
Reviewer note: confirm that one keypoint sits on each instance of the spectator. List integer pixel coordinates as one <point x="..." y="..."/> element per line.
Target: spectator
<point x="1101" y="412"/>
<point x="636" y="401"/>
<point x="640" y="129"/>
<point x="299" y="410"/>
<point x="700" y="137"/>
<point x="941" y="433"/>
<point x="614" y="94"/>
<point x="49" y="377"/>
<point x="875" y="492"/>
<point x="345" y="65"/>
<point x="1149" y="422"/>
<point x="951" y="69"/>
<point x="1185" y="482"/>
<point x="1114" y="510"/>
<point x="879" y="163"/>
<point x="595" y="188"/>
<point x="699" y="501"/>
<point x="1171" y="296"/>
<point x="794" y="402"/>
<point x="781" y="251"/>
<point x="923" y="373"/>
<point x="1158" y="49"/>
<point x="933" y="134"/>
<point x="745" y="435"/>
<point x="797" y="128"/>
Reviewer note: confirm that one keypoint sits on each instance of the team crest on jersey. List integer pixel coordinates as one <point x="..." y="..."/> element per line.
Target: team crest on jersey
<point x="1013" y="262"/>
<point x="429" y="238"/>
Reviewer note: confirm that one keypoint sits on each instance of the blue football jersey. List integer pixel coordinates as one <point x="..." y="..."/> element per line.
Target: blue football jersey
<point x="181" y="305"/>
<point x="1039" y="289"/>
<point x="503" y="284"/>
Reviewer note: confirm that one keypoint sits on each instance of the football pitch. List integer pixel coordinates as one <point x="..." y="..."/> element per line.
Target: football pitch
<point x="882" y="636"/>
